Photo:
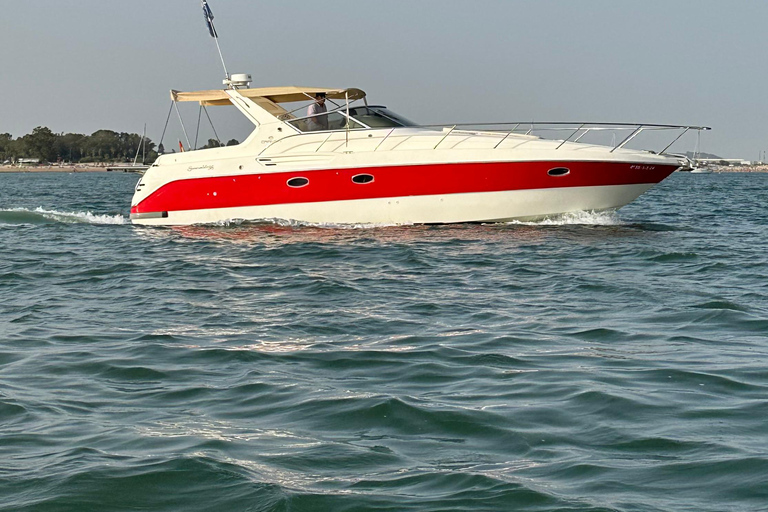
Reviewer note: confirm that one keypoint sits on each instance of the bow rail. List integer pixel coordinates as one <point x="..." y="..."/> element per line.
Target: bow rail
<point x="573" y="132"/>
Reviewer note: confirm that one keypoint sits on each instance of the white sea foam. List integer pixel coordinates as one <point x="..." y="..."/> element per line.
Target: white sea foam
<point x="332" y="225"/>
<point x="73" y="217"/>
<point x="303" y="224"/>
<point x="610" y="218"/>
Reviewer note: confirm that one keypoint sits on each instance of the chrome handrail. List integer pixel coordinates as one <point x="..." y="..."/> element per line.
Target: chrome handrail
<point x="446" y="136"/>
<point x="577" y="130"/>
<point x="539" y="126"/>
<point x="385" y="138"/>
<point x="507" y="135"/>
<point x="629" y="138"/>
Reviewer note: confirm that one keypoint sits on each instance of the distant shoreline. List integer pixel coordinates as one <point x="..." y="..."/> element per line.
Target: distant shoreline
<point x="55" y="168"/>
<point x="737" y="168"/>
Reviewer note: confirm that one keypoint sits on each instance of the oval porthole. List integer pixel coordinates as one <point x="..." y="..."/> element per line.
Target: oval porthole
<point x="298" y="182"/>
<point x="559" y="171"/>
<point x="361" y="179"/>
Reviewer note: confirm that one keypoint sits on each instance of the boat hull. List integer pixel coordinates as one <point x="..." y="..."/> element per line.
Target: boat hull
<point x="431" y="209"/>
<point x="402" y="194"/>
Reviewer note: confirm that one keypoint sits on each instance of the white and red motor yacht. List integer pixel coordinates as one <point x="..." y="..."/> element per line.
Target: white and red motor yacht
<point x="371" y="166"/>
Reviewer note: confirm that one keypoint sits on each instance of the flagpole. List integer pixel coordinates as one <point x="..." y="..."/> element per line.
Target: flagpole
<point x="215" y="35"/>
<point x="226" y="74"/>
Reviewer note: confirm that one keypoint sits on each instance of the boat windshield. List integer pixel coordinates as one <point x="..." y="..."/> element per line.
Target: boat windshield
<point x="333" y="121"/>
<point x="378" y="117"/>
<point x="359" y="118"/>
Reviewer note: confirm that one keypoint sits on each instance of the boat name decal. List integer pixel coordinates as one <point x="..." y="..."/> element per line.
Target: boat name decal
<point x="642" y="167"/>
<point x="200" y="168"/>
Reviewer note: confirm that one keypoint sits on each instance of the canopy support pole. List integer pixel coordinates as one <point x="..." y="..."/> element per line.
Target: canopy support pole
<point x="199" y="116"/>
<point x="212" y="127"/>
<point x="346" y="97"/>
<point x="183" y="128"/>
<point x="141" y="146"/>
<point x="162" y="137"/>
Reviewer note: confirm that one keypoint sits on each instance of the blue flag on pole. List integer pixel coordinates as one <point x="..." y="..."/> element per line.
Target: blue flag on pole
<point x="209" y="19"/>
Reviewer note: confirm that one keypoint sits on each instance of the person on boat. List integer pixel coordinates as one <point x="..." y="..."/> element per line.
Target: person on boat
<point x="318" y="119"/>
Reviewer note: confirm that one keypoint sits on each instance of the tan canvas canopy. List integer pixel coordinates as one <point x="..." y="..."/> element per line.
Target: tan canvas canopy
<point x="272" y="94"/>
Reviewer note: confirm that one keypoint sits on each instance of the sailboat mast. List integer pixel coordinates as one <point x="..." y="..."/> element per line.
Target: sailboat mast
<point x="697" y="149"/>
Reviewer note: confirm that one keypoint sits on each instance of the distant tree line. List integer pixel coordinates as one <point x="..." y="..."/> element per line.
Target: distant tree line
<point x="213" y="143"/>
<point x="100" y="146"/>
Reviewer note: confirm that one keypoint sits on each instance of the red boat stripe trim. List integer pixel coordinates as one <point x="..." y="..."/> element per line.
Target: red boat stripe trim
<point x="392" y="181"/>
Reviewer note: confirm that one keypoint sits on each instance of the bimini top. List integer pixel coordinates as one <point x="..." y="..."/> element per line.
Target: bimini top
<point x="273" y="94"/>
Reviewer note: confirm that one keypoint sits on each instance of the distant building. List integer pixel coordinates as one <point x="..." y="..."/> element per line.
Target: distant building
<point x="28" y="161"/>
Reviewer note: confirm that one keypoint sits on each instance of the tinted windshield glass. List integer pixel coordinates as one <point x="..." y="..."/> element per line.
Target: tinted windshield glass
<point x="335" y="121"/>
<point x="378" y="117"/>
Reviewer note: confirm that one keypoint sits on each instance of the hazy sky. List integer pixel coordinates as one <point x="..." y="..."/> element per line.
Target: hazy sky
<point x="78" y="66"/>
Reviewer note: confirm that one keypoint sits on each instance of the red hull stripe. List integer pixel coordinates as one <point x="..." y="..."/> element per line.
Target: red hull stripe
<point x="392" y="181"/>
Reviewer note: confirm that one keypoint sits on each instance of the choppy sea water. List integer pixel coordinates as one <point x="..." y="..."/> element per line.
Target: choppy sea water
<point x="598" y="362"/>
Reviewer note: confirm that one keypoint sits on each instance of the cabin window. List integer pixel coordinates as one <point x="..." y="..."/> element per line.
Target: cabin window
<point x="298" y="182"/>
<point x="559" y="171"/>
<point x="362" y="179"/>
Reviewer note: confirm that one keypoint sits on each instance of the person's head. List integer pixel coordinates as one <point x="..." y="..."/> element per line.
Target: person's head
<point x="320" y="97"/>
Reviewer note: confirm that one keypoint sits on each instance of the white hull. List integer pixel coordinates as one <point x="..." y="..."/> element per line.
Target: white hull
<point x="432" y="209"/>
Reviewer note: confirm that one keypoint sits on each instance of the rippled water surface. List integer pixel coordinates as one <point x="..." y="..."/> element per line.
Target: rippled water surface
<point x="592" y="363"/>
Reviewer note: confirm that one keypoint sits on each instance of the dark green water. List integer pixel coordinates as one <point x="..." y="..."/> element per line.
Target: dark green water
<point x="597" y="363"/>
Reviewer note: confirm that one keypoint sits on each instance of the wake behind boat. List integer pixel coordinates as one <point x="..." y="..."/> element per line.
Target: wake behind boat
<point x="363" y="164"/>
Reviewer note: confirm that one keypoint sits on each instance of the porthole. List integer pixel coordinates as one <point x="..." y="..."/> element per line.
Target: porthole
<point x="362" y="179"/>
<point x="298" y="182"/>
<point x="559" y="171"/>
